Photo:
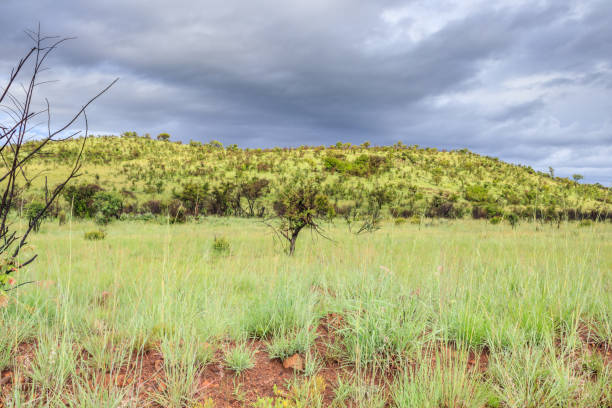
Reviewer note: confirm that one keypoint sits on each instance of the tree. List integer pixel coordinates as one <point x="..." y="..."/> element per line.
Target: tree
<point x="164" y="137"/>
<point x="18" y="147"/>
<point x="377" y="198"/>
<point x="252" y="191"/>
<point x="300" y="205"/>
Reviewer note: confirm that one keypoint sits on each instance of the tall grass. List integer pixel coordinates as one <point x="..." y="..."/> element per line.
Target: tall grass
<point x="524" y="296"/>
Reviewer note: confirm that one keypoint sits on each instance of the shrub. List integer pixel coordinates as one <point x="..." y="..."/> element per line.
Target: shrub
<point x="221" y="246"/>
<point x="33" y="213"/>
<point x="476" y="193"/>
<point x="415" y="220"/>
<point x="81" y="198"/>
<point x="513" y="219"/>
<point x="153" y="207"/>
<point x="193" y="196"/>
<point x="400" y="221"/>
<point x="495" y="220"/>
<point x="96" y="235"/>
<point x="585" y="223"/>
<point x="107" y="206"/>
<point x="177" y="212"/>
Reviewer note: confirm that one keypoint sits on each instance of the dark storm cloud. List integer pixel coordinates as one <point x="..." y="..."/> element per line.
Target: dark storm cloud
<point x="527" y="81"/>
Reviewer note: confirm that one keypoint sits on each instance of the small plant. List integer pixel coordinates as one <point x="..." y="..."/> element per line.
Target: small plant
<point x="221" y="246"/>
<point x="96" y="235"/>
<point x="240" y="358"/>
<point x="495" y="220"/>
<point x="585" y="223"/>
<point x="61" y="217"/>
<point x="35" y="213"/>
<point x="400" y="221"/>
<point x="513" y="220"/>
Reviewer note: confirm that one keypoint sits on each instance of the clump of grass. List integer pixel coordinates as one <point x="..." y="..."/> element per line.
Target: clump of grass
<point x="284" y="345"/>
<point x="443" y="384"/>
<point x="534" y="377"/>
<point x="95" y="235"/>
<point x="240" y="358"/>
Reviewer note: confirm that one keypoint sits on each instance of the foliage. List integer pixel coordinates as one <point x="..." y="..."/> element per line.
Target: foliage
<point x="107" y="206"/>
<point x="35" y="213"/>
<point x="95" y="235"/>
<point x="221" y="246"/>
<point x="80" y="199"/>
<point x="298" y="206"/>
<point x="210" y="179"/>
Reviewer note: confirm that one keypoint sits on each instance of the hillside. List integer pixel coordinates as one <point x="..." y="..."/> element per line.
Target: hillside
<point x="149" y="174"/>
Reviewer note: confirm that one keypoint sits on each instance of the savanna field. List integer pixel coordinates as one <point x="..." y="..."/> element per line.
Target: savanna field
<point x="213" y="313"/>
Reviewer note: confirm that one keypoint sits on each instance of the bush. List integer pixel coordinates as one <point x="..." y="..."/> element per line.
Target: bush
<point x="81" y="199"/>
<point x="32" y="211"/>
<point x="476" y="193"/>
<point x="96" y="235"/>
<point x="221" y="246"/>
<point x="107" y="206"/>
<point x="585" y="223"/>
<point x="177" y="212"/>
<point x="495" y="220"/>
<point x="400" y="221"/>
<point x="415" y="220"/>
<point x="153" y="207"/>
<point x="513" y="219"/>
<point x="61" y="218"/>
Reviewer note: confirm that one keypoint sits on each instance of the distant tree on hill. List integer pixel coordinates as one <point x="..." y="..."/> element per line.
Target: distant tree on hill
<point x="164" y="137"/>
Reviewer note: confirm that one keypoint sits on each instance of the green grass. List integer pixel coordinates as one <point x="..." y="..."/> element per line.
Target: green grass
<point x="525" y="297"/>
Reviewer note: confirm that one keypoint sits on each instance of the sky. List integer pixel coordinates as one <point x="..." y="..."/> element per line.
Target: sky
<point x="529" y="82"/>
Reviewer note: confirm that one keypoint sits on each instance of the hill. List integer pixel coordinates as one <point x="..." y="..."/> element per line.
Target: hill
<point x="150" y="175"/>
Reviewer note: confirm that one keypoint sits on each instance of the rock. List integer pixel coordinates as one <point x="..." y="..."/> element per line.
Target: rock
<point x="294" y="362"/>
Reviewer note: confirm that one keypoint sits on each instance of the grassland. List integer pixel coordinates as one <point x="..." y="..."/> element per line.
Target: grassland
<point x="443" y="314"/>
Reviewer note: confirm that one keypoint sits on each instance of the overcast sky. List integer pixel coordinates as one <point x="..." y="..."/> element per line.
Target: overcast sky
<point x="527" y="81"/>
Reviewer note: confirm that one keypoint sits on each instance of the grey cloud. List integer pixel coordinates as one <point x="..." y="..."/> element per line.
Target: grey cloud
<point x="277" y="72"/>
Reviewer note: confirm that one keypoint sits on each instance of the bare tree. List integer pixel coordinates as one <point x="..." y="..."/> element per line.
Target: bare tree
<point x="18" y="119"/>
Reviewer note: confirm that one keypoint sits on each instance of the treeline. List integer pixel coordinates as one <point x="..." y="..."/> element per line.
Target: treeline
<point x="138" y="177"/>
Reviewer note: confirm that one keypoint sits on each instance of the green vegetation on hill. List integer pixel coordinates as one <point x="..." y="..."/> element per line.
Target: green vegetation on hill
<point x="161" y="177"/>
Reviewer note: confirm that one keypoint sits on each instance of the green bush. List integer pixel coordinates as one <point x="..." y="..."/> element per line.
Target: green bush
<point x="96" y="235"/>
<point x="495" y="220"/>
<point x="513" y="219"/>
<point x="476" y="193"/>
<point x="585" y="223"/>
<point x="80" y="199"/>
<point x="221" y="246"/>
<point x="32" y="211"/>
<point x="400" y="221"/>
<point x="107" y="205"/>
